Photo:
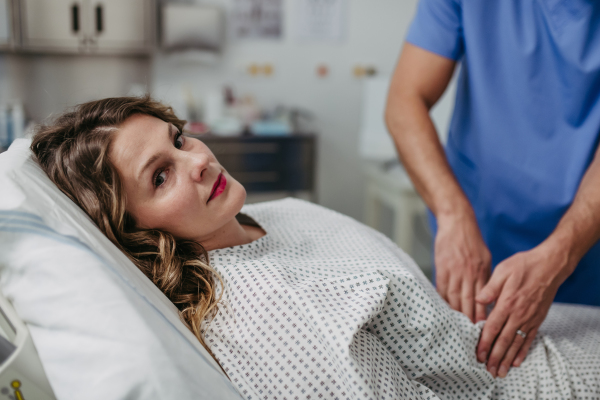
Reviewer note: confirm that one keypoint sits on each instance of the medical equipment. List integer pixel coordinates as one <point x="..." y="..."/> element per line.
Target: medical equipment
<point x="21" y="372"/>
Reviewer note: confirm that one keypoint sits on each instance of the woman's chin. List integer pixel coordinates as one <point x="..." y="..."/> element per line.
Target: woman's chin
<point x="240" y="194"/>
<point x="244" y="194"/>
<point x="235" y="192"/>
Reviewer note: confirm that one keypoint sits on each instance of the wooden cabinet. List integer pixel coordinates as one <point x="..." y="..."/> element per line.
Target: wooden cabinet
<point x="268" y="164"/>
<point x="87" y="26"/>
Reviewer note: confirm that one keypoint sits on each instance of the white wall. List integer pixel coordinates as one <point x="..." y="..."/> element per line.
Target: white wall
<point x="12" y="78"/>
<point x="48" y="84"/>
<point x="375" y="32"/>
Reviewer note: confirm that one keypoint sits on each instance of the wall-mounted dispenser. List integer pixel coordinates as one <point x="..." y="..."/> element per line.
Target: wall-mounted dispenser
<point x="192" y="27"/>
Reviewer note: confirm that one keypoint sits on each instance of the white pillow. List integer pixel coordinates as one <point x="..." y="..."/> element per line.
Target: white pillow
<point x="101" y="328"/>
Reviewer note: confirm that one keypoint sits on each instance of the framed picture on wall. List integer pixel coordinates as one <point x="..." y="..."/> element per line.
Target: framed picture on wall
<point x="257" y="19"/>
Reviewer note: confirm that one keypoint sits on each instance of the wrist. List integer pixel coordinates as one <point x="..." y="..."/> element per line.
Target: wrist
<point x="457" y="209"/>
<point x="563" y="252"/>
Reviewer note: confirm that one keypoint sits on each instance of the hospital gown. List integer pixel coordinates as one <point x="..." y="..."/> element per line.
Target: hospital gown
<point x="323" y="307"/>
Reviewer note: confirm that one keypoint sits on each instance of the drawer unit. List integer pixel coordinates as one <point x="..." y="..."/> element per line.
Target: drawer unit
<point x="267" y="164"/>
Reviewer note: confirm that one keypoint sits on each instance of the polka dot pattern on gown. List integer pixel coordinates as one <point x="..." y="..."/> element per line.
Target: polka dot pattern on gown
<point x="323" y="307"/>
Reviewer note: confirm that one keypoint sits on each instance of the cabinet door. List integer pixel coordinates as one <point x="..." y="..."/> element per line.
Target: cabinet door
<point x="56" y="25"/>
<point x="5" y="24"/>
<point x="121" y="26"/>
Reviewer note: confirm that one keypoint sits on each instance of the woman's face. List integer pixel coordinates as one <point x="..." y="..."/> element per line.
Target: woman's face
<point x="173" y="183"/>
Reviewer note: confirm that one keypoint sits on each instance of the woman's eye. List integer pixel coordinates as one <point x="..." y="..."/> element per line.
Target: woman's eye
<point x="160" y="178"/>
<point x="178" y="141"/>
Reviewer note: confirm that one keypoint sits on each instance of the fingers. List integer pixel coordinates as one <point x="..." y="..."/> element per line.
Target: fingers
<point x="489" y="333"/>
<point x="491" y="291"/>
<point x="460" y="257"/>
<point x="454" y="291"/>
<point x="480" y="312"/>
<point x="499" y="331"/>
<point x="510" y="355"/>
<point x="480" y="308"/>
<point x="525" y="348"/>
<point x="523" y="290"/>
<point x="467" y="300"/>
<point x="495" y="322"/>
<point x="502" y="345"/>
<point x="459" y="292"/>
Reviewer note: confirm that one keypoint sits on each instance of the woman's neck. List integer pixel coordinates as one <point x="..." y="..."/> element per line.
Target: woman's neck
<point x="232" y="234"/>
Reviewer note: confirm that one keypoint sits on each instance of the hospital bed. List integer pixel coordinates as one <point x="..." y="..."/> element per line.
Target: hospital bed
<point x="101" y="329"/>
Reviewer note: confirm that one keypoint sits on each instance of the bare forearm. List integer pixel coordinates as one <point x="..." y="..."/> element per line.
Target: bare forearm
<point x="461" y="257"/>
<point x="421" y="152"/>
<point x="524" y="285"/>
<point x="579" y="228"/>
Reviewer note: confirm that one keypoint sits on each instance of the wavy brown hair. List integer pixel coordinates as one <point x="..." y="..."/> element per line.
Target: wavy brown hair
<point x="74" y="151"/>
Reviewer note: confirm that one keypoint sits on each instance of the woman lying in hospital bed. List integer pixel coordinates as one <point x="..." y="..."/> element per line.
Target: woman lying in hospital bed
<point x="292" y="300"/>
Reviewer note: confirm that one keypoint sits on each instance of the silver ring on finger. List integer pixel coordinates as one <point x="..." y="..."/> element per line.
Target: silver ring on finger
<point x="521" y="333"/>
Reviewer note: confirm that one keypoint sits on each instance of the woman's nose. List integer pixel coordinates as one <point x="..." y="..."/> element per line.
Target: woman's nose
<point x="198" y="163"/>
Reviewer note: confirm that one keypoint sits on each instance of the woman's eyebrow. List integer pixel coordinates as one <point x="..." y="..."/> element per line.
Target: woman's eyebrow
<point x="155" y="157"/>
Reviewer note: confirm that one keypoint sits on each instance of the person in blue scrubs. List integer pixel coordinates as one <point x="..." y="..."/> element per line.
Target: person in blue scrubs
<point x="517" y="187"/>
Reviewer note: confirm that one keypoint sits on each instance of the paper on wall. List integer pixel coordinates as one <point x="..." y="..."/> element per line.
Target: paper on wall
<point x="257" y="19"/>
<point x="320" y="20"/>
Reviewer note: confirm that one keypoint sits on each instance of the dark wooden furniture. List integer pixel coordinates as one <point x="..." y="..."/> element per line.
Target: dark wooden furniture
<point x="268" y="163"/>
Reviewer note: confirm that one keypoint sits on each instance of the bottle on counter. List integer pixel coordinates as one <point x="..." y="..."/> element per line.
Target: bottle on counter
<point x="12" y="123"/>
<point x="4" y="138"/>
<point x="18" y="121"/>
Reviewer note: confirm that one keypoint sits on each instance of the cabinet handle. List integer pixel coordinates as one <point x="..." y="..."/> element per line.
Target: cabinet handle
<point x="75" y="17"/>
<point x="99" y="21"/>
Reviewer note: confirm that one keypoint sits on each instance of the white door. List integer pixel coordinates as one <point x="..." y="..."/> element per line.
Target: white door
<point x="121" y="25"/>
<point x="56" y="25"/>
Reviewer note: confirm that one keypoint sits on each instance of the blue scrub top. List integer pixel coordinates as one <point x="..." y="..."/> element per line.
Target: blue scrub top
<point x="527" y="115"/>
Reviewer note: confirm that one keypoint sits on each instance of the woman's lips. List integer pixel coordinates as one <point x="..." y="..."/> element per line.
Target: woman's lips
<point x="218" y="187"/>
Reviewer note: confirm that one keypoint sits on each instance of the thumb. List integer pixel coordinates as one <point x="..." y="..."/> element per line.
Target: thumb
<point x="491" y="291"/>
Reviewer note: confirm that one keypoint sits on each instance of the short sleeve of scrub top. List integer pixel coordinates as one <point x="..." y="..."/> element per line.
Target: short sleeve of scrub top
<point x="437" y="28"/>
